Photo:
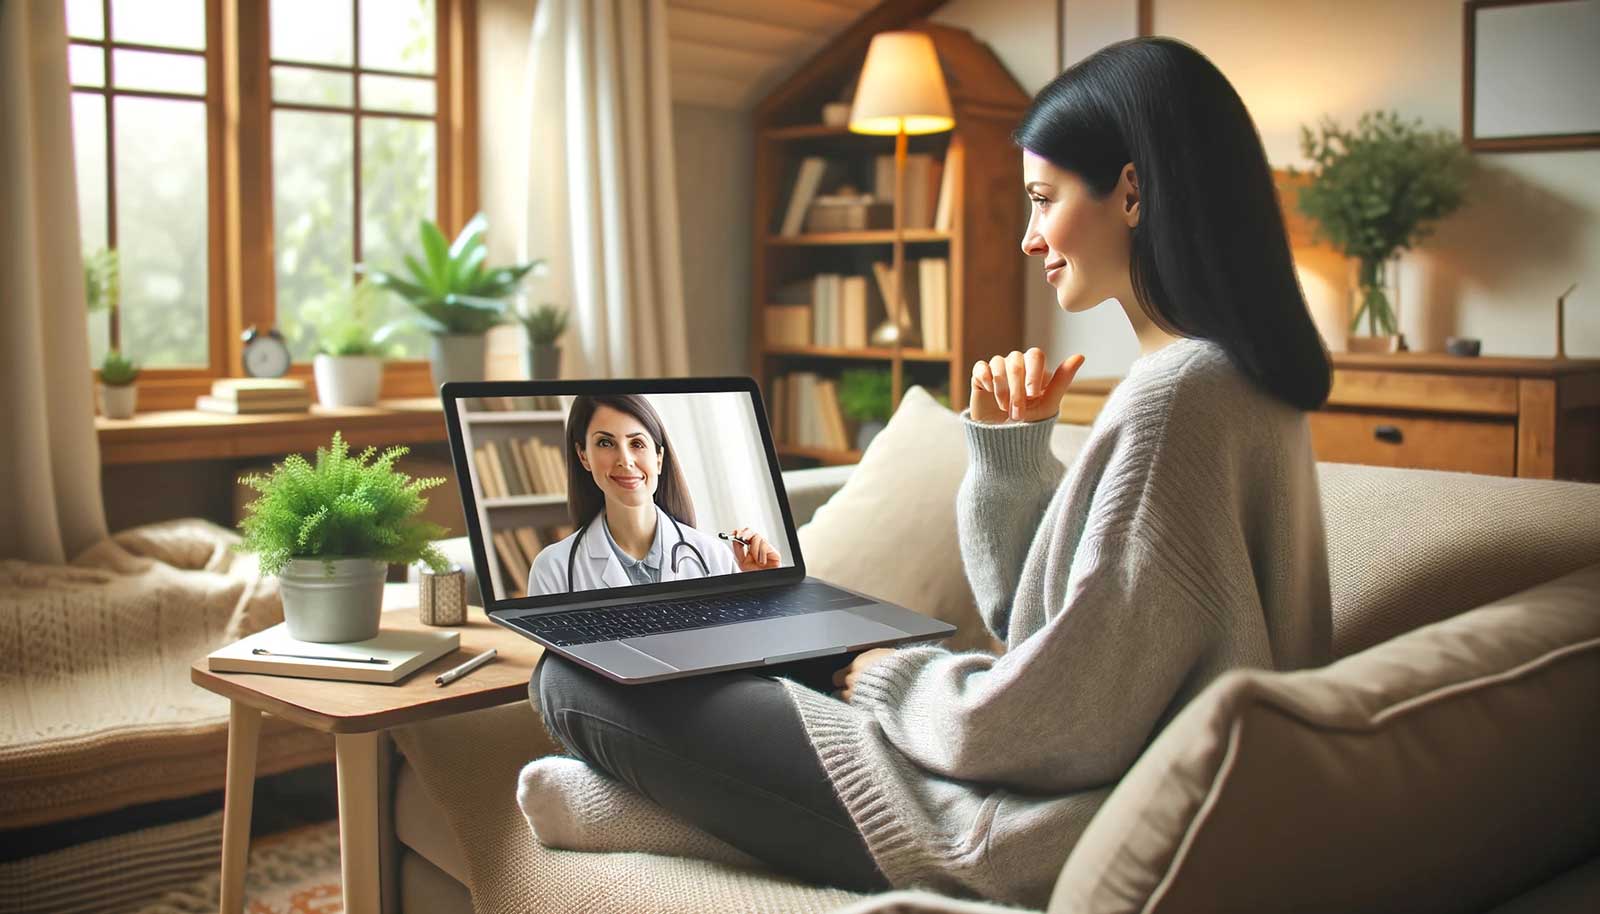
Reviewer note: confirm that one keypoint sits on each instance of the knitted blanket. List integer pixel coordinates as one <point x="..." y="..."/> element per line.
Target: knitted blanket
<point x="96" y="707"/>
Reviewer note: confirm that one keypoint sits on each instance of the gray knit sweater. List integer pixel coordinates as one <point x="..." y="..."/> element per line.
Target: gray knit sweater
<point x="1186" y="539"/>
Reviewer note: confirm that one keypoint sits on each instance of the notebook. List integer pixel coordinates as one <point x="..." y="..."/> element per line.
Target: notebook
<point x="406" y="651"/>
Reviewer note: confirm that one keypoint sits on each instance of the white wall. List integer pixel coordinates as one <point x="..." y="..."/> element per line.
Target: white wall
<point x="714" y="152"/>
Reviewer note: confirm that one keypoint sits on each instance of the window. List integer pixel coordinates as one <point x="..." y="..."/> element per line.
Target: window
<point x="243" y="157"/>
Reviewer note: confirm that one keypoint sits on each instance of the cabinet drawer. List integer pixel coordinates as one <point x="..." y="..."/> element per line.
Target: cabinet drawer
<point x="1444" y="393"/>
<point x="1387" y="439"/>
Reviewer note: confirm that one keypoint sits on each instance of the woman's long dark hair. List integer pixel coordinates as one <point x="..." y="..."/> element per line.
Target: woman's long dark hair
<point x="584" y="498"/>
<point x="1210" y="256"/>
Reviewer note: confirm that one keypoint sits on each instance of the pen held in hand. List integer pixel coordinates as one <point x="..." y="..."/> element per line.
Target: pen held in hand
<point x="449" y="676"/>
<point x="738" y="539"/>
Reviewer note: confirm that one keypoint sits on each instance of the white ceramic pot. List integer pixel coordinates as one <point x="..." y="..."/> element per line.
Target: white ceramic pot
<point x="343" y="607"/>
<point x="117" y="401"/>
<point x="348" y="380"/>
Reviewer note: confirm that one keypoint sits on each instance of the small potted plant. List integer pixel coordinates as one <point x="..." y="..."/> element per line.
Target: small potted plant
<point x="544" y="326"/>
<point x="350" y="351"/>
<point x="1373" y="192"/>
<point x="457" y="298"/>
<point x="865" y="397"/>
<point x="329" y="532"/>
<point x="118" y="395"/>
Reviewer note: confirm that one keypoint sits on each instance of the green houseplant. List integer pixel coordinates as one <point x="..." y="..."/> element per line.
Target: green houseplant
<point x="543" y="326"/>
<point x="348" y="366"/>
<point x="118" y="395"/>
<point x="865" y="396"/>
<point x="1373" y="192"/>
<point x="329" y="530"/>
<point x="457" y="297"/>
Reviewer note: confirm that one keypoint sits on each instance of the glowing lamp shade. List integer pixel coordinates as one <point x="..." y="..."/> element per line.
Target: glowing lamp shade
<point x="901" y="87"/>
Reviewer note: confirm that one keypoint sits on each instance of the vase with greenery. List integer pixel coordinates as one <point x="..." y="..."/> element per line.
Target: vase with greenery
<point x="118" y="395"/>
<point x="351" y="346"/>
<point x="866" y="397"/>
<point x="543" y="326"/>
<point x="457" y="297"/>
<point x="330" y="530"/>
<point x="1373" y="193"/>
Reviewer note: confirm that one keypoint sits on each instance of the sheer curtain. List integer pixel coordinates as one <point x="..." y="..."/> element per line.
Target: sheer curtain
<point x="602" y="204"/>
<point x="50" y="505"/>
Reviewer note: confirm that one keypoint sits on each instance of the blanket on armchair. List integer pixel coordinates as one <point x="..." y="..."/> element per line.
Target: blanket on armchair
<point x="98" y="711"/>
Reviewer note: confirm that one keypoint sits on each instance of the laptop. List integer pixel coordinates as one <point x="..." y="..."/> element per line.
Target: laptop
<point x="640" y="528"/>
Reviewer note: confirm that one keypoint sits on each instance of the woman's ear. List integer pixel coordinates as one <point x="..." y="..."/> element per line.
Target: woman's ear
<point x="1128" y="193"/>
<point x="581" y="458"/>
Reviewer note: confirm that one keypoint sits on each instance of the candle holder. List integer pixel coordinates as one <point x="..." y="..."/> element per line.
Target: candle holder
<point x="442" y="598"/>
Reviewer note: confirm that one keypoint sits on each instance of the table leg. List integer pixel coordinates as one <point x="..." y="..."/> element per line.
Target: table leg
<point x="244" y="731"/>
<point x="356" y="756"/>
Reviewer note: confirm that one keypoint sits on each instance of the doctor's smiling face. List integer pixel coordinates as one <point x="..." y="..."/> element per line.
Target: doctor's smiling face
<point x="622" y="457"/>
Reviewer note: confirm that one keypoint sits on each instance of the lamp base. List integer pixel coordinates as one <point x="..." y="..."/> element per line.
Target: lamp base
<point x="887" y="332"/>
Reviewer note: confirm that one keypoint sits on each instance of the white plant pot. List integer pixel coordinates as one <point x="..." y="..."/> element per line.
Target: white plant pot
<point x="348" y="380"/>
<point x="330" y="610"/>
<point x="117" y="401"/>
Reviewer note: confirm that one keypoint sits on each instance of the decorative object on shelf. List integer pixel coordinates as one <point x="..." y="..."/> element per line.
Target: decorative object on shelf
<point x="329" y="531"/>
<point x="457" y="298"/>
<point x="265" y="353"/>
<point x="1373" y="192"/>
<point x="348" y="366"/>
<point x="1561" y="321"/>
<point x="119" y="396"/>
<point x="541" y="359"/>
<point x="836" y="114"/>
<point x="866" y="397"/>
<point x="441" y="596"/>
<point x="901" y="93"/>
<point x="1463" y="345"/>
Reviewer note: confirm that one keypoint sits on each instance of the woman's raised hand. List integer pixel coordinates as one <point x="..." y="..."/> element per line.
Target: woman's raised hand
<point x="757" y="556"/>
<point x="1019" y="387"/>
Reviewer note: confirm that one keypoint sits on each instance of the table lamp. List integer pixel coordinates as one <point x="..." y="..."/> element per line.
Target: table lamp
<point x="901" y="92"/>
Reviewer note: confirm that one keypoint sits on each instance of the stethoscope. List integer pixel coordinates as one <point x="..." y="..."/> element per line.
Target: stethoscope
<point x="705" y="570"/>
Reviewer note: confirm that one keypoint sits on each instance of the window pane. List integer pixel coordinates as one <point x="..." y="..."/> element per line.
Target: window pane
<point x="168" y="23"/>
<point x="397" y="93"/>
<point x="86" y="19"/>
<point x="313" y="182"/>
<point x="89" y="158"/>
<point x="397" y="191"/>
<point x="87" y="65"/>
<point x="316" y="31"/>
<point x="161" y="229"/>
<point x="158" y="72"/>
<point x="397" y="35"/>
<point x="298" y="85"/>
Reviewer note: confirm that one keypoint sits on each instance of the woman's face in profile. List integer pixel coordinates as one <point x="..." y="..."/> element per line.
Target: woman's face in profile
<point x="1083" y="243"/>
<point x="621" y="456"/>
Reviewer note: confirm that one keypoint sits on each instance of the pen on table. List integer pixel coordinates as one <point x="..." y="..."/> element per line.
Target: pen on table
<point x="265" y="652"/>
<point x="738" y="539"/>
<point x="449" y="676"/>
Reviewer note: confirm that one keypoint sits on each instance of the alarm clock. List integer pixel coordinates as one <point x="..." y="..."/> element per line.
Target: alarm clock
<point x="266" y="355"/>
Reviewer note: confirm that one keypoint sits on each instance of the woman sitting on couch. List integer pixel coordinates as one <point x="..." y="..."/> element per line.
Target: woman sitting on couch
<point x="1185" y="540"/>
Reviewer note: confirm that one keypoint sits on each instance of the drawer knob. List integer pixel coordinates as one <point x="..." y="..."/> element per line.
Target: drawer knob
<point x="1389" y="433"/>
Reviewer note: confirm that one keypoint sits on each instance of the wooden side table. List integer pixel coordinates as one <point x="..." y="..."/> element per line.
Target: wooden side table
<point x="356" y="713"/>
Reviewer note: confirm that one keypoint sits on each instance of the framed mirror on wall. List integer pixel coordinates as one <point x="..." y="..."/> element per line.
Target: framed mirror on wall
<point x="1530" y="75"/>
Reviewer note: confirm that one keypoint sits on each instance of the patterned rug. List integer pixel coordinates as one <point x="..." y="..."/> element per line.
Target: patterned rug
<point x="292" y="872"/>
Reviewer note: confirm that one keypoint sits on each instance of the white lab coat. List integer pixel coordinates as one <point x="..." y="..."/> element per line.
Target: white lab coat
<point x="597" y="564"/>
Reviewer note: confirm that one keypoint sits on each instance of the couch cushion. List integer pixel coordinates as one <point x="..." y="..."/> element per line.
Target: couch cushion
<point x="419" y="824"/>
<point x="890" y="530"/>
<point x="1448" y="769"/>
<point x="1410" y="547"/>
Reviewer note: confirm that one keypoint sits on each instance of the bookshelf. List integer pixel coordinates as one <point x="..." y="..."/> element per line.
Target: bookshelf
<point x="975" y="166"/>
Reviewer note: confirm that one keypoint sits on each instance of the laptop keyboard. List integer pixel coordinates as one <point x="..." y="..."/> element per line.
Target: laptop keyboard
<point x="612" y="623"/>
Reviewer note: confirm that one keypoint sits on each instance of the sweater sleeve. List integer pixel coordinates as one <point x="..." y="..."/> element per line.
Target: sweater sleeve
<point x="1068" y="708"/>
<point x="1011" y="476"/>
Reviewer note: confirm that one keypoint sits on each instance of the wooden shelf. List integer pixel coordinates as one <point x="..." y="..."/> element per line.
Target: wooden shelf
<point x="526" y="501"/>
<point x="516" y="416"/>
<point x="874" y="236"/>
<point x="875" y="353"/>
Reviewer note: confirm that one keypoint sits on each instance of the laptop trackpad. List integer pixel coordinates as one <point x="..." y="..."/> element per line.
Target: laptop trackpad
<point x="747" y="642"/>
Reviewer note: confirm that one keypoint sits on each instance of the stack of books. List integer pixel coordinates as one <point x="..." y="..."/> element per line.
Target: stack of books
<point x="525" y="466"/>
<point x="519" y="546"/>
<point x="806" y="411"/>
<point x="256" y="395"/>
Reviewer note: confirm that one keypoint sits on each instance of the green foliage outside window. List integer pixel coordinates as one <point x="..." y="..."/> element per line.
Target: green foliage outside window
<point x="102" y="280"/>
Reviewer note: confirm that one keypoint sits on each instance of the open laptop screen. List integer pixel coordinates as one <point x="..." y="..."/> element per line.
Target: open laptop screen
<point x="582" y="492"/>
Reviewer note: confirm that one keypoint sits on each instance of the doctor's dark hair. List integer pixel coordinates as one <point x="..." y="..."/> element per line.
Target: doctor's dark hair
<point x="1210" y="257"/>
<point x="584" y="498"/>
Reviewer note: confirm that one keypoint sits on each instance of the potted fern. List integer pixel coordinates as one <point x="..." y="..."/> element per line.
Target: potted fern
<point x="456" y="296"/>
<point x="350" y="351"/>
<point x="329" y="532"/>
<point x="118" y="395"/>
<point x="544" y="326"/>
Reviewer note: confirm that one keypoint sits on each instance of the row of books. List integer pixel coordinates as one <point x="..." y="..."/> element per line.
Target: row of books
<point x="806" y="412"/>
<point x="512" y="404"/>
<point x="837" y="311"/>
<point x="519" y="466"/>
<point x="237" y="396"/>
<point x="518" y="546"/>
<point x="822" y="200"/>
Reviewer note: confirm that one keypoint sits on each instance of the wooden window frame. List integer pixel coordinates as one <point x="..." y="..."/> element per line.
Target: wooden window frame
<point x="241" y="281"/>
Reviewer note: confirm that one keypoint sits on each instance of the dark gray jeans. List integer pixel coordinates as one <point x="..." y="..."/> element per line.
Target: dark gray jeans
<point x="726" y="752"/>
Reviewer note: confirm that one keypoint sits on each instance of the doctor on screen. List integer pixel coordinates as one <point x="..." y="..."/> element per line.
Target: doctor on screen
<point x="631" y="507"/>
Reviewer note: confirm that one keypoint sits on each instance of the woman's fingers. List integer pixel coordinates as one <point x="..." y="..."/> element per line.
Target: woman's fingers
<point x="1033" y="363"/>
<point x="1061" y="379"/>
<point x="1016" y="382"/>
<point x="1002" y="394"/>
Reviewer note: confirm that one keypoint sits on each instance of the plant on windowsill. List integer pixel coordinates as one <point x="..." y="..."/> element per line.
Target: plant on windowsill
<point x="544" y="326"/>
<point x="329" y="532"/>
<point x="457" y="298"/>
<point x="350" y="350"/>
<point x="119" y="396"/>
<point x="1373" y="192"/>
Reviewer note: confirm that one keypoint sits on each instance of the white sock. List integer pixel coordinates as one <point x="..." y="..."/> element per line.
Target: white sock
<point x="571" y="806"/>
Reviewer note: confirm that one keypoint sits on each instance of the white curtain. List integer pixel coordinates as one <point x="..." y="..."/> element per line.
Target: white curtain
<point x="50" y="506"/>
<point x="602" y="203"/>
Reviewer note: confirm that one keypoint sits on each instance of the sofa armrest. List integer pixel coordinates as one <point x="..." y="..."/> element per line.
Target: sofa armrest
<point x="809" y="488"/>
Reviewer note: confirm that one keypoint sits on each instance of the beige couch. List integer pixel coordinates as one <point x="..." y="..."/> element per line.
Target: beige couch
<point x="1448" y="761"/>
